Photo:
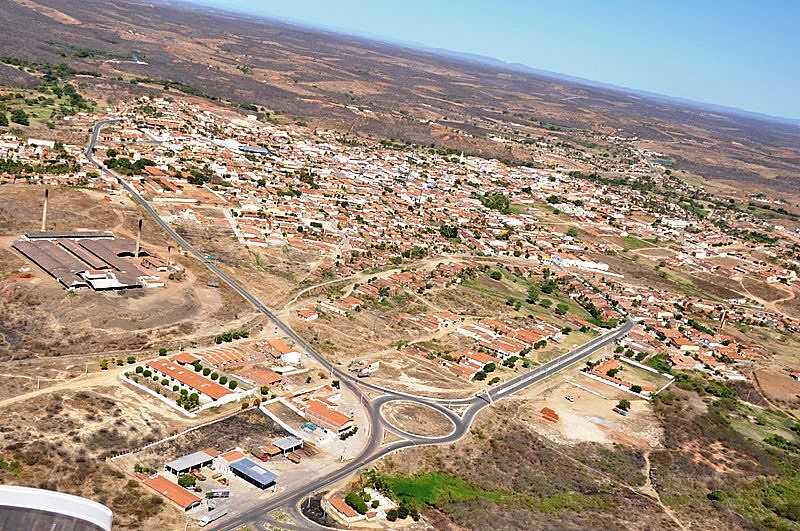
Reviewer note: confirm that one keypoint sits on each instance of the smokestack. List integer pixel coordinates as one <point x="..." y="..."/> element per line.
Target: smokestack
<point x="138" y="240"/>
<point x="44" y="211"/>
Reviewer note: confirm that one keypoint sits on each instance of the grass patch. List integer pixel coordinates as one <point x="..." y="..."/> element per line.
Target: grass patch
<point x="436" y="489"/>
<point x="631" y="243"/>
<point x="772" y="503"/>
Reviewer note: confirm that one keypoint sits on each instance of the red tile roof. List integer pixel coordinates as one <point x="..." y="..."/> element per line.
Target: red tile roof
<point x="330" y="416"/>
<point x="172" y="491"/>
<point x="189" y="377"/>
<point x="340" y="505"/>
<point x="260" y="376"/>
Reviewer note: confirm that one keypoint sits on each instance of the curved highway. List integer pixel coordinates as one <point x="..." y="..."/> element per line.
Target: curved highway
<point x="377" y="424"/>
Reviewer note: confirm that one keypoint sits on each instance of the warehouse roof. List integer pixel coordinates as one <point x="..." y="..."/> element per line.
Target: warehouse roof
<point x="189" y="461"/>
<point x="253" y="471"/>
<point x="288" y="443"/>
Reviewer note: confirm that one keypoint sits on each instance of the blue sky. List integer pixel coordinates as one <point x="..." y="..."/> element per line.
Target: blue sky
<point x="739" y="53"/>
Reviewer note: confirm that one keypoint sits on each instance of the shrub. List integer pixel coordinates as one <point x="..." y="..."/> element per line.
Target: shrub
<point x="402" y="512"/>
<point x="356" y="502"/>
<point x="187" y="480"/>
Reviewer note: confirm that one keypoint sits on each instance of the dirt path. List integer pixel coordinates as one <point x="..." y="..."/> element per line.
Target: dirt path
<point x="770" y="305"/>
<point x="648" y="490"/>
<point x="93" y="379"/>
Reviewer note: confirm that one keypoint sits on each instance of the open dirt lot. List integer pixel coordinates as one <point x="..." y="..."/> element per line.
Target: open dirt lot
<point x="41" y="321"/>
<point x="59" y="441"/>
<point x="779" y="387"/>
<point x="417" y="419"/>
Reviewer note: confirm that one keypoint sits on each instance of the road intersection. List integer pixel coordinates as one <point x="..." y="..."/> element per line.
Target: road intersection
<point x="377" y="424"/>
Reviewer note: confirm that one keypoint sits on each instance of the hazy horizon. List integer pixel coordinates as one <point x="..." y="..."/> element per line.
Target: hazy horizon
<point x="741" y="58"/>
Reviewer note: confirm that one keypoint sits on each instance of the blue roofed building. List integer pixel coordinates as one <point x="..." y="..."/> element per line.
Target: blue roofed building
<point x="254" y="473"/>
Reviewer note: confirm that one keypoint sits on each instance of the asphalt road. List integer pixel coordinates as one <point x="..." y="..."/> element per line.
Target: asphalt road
<point x="377" y="424"/>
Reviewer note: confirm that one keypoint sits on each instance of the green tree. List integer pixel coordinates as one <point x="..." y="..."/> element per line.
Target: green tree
<point x="624" y="404"/>
<point x="572" y="232"/>
<point x="356" y="502"/>
<point x="449" y="231"/>
<point x="489" y="367"/>
<point x="479" y="376"/>
<point x="562" y="308"/>
<point x="636" y="388"/>
<point x="223" y="380"/>
<point x="131" y="360"/>
<point x="206" y="371"/>
<point x="19" y="116"/>
<point x="214" y="376"/>
<point x="187" y="480"/>
<point x="104" y="365"/>
<point x="402" y="511"/>
<point x="162" y="351"/>
<point x="232" y="384"/>
<point x="496" y="275"/>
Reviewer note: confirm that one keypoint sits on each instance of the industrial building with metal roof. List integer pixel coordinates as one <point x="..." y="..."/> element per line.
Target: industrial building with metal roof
<point x="254" y="473"/>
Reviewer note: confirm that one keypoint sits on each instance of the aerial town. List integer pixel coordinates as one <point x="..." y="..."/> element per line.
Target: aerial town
<point x="217" y="316"/>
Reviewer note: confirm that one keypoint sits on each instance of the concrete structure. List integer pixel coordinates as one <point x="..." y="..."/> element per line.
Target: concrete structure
<point x="288" y="444"/>
<point x="28" y="508"/>
<point x="138" y="240"/>
<point x="44" y="210"/>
